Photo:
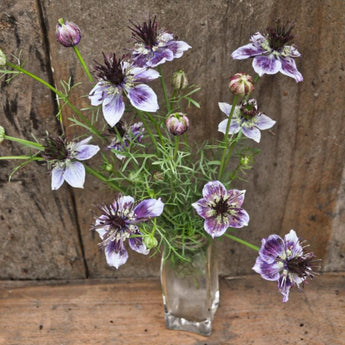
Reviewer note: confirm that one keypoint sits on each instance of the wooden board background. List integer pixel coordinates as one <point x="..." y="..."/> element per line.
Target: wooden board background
<point x="298" y="178"/>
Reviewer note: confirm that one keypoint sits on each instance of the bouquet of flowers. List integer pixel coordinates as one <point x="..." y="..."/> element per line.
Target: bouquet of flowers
<point x="169" y="191"/>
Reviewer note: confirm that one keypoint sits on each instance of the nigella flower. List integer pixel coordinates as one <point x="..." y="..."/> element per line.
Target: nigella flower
<point x="118" y="77"/>
<point x="118" y="222"/>
<point x="64" y="159"/>
<point x="284" y="261"/>
<point x="221" y="208"/>
<point x="272" y="52"/>
<point x="128" y="135"/>
<point x="153" y="47"/>
<point x="247" y="118"/>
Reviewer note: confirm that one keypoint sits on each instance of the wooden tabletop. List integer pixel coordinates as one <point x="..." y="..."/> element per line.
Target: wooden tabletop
<point x="107" y="312"/>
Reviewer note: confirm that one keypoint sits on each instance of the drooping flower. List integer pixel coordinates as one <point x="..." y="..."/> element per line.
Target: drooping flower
<point x="241" y="84"/>
<point x="247" y="118"/>
<point x="221" y="208"/>
<point x="125" y="136"/>
<point x="67" y="33"/>
<point x="177" y="123"/>
<point x="119" y="222"/>
<point x="118" y="77"/>
<point x="284" y="261"/>
<point x="154" y="47"/>
<point x="272" y="52"/>
<point x="64" y="159"/>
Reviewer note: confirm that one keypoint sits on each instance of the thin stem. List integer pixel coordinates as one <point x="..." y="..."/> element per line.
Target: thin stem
<point x="5" y="158"/>
<point x="236" y="239"/>
<point x="27" y="143"/>
<point x="83" y="64"/>
<point x="167" y="102"/>
<point x="177" y="142"/>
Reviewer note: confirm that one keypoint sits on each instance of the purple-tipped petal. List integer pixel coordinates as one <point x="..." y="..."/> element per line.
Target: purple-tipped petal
<point x="116" y="254"/>
<point x="143" y="98"/>
<point x="113" y="109"/>
<point x="123" y="203"/>
<point x="216" y="226"/>
<point x="252" y="133"/>
<point x="239" y="220"/>
<point x="271" y="248"/>
<point x="57" y="178"/>
<point x="289" y="68"/>
<point x="247" y="51"/>
<point x="267" y="271"/>
<point x="136" y="243"/>
<point x="159" y="57"/>
<point x="178" y="48"/>
<point x="96" y="95"/>
<point x="266" y="65"/>
<point x="74" y="174"/>
<point x="213" y="190"/>
<point x="144" y="74"/>
<point x="203" y="209"/>
<point x="236" y="197"/>
<point x="262" y="121"/>
<point x="148" y="208"/>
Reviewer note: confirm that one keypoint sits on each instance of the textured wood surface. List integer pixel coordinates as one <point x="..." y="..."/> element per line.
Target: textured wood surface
<point x="130" y="312"/>
<point x="298" y="177"/>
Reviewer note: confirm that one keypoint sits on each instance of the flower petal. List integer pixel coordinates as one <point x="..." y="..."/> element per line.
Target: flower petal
<point x="136" y="243"/>
<point x="252" y="133"/>
<point x="272" y="248"/>
<point x="113" y="109"/>
<point x="116" y="254"/>
<point x="225" y="108"/>
<point x="247" y="51"/>
<point x="86" y="151"/>
<point x="233" y="129"/>
<point x="57" y="178"/>
<point x="203" y="209"/>
<point x="266" y="65"/>
<point x="148" y="208"/>
<point x="97" y="94"/>
<point x="159" y="57"/>
<point x="289" y="68"/>
<point x="268" y="271"/>
<point x="178" y="48"/>
<point x="262" y="121"/>
<point x="240" y="219"/>
<point x="213" y="191"/>
<point x="216" y="226"/>
<point x="124" y="203"/>
<point x="144" y="74"/>
<point x="235" y="197"/>
<point x="143" y="98"/>
<point x="74" y="174"/>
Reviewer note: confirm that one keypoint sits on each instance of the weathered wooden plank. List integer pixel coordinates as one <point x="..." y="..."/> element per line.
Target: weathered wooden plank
<point x="131" y="312"/>
<point x="38" y="229"/>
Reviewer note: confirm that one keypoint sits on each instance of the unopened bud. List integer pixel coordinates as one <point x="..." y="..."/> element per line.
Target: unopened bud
<point x="179" y="80"/>
<point x="2" y="134"/>
<point x="2" y="58"/>
<point x="241" y="84"/>
<point x="177" y="123"/>
<point x="67" y="33"/>
<point x="150" y="241"/>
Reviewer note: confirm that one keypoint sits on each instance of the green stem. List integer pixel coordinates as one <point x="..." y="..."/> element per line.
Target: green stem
<point x="167" y="102"/>
<point x="27" y="143"/>
<point x="177" y="142"/>
<point x="83" y="64"/>
<point x="234" y="238"/>
<point x="226" y="138"/>
<point x="5" y="158"/>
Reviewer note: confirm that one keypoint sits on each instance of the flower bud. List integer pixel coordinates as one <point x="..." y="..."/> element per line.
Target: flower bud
<point x="2" y="134"/>
<point x="249" y="108"/>
<point x="177" y="123"/>
<point x="150" y="241"/>
<point x="68" y="34"/>
<point x="241" y="84"/>
<point x="179" y="80"/>
<point x="2" y="58"/>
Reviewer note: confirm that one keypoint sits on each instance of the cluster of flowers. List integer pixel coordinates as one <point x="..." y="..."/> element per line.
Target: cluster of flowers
<point x="125" y="78"/>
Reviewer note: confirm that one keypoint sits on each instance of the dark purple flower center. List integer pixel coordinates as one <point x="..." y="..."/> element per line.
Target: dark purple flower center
<point x="111" y="71"/>
<point x="301" y="265"/>
<point x="146" y="33"/>
<point x="248" y="109"/>
<point x="280" y="35"/>
<point x="55" y="149"/>
<point x="221" y="207"/>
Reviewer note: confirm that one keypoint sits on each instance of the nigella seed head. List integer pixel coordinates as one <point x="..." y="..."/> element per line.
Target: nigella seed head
<point x="280" y="35"/>
<point x="55" y="149"/>
<point x="146" y="33"/>
<point x="111" y="71"/>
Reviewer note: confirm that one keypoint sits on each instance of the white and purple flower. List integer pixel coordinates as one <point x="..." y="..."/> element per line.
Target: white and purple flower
<point x="118" y="222"/>
<point x="247" y="118"/>
<point x="283" y="260"/>
<point x="67" y="33"/>
<point x="272" y="53"/>
<point x="153" y="47"/>
<point x="64" y="159"/>
<point x="221" y="208"/>
<point x="117" y="78"/>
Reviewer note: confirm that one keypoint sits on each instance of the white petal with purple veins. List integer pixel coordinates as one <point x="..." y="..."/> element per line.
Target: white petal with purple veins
<point x="74" y="174"/>
<point x="178" y="48"/>
<point x="239" y="220"/>
<point x="85" y="151"/>
<point x="225" y="108"/>
<point x="144" y="74"/>
<point x="148" y="208"/>
<point x="233" y="129"/>
<point x="143" y="98"/>
<point x="116" y="254"/>
<point x="272" y="248"/>
<point x="247" y="51"/>
<point x="136" y="243"/>
<point x="269" y="271"/>
<point x="216" y="227"/>
<point x="262" y="121"/>
<point x="113" y="109"/>
<point x="266" y="65"/>
<point x="159" y="57"/>
<point x="123" y="203"/>
<point x="236" y="197"/>
<point x="289" y="68"/>
<point x="252" y="133"/>
<point x="57" y="178"/>
<point x="97" y="94"/>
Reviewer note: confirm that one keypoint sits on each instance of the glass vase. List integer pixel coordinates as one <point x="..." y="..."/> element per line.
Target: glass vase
<point x="190" y="289"/>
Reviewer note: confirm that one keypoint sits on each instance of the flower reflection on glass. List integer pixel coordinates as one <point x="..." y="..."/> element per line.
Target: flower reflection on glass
<point x="221" y="208"/>
<point x="118" y="222"/>
<point x="284" y="261"/>
<point x="64" y="158"/>
<point x="272" y="53"/>
<point x="154" y="47"/>
<point x="118" y="77"/>
<point x="247" y="118"/>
